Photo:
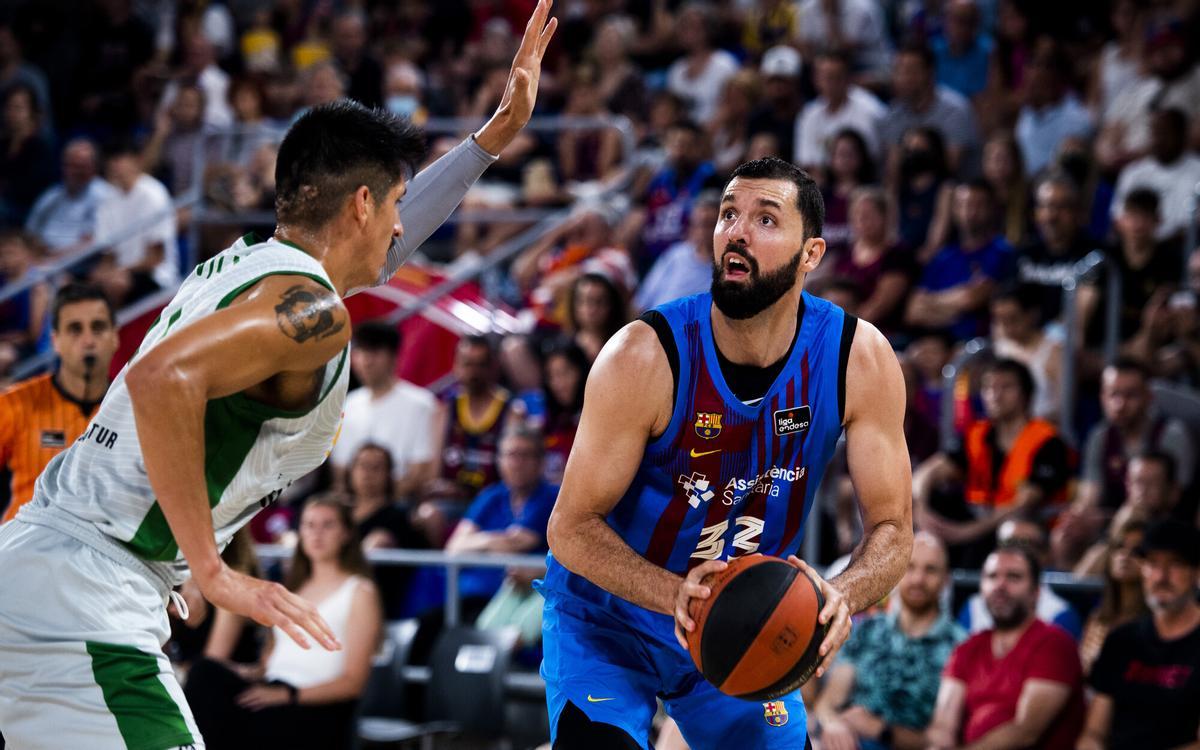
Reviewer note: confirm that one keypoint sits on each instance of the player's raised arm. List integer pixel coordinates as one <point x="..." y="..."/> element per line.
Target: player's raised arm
<point x="882" y="476"/>
<point x="284" y="324"/>
<point x="438" y="189"/>
<point x="628" y="400"/>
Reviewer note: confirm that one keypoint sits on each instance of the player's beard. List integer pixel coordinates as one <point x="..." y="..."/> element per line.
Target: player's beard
<point x="740" y="300"/>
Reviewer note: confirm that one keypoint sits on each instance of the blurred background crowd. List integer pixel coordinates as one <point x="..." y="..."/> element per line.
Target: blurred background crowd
<point x="1010" y="190"/>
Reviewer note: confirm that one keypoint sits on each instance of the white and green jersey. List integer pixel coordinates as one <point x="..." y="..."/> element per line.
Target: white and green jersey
<point x="251" y="451"/>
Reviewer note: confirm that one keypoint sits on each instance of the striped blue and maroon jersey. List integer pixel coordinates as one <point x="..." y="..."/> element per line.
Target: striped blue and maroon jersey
<point x="727" y="478"/>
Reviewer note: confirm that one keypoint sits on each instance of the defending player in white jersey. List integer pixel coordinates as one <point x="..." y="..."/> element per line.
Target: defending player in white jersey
<point x="236" y="391"/>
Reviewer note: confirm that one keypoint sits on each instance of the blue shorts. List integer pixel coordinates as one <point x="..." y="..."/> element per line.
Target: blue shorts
<point x="613" y="672"/>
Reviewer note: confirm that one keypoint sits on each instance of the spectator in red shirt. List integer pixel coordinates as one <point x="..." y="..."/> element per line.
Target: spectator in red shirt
<point x="1019" y="685"/>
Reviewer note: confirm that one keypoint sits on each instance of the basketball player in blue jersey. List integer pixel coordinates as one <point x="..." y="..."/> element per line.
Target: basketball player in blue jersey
<point x="707" y="426"/>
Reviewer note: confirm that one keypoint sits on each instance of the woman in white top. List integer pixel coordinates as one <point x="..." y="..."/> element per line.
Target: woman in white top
<point x="301" y="698"/>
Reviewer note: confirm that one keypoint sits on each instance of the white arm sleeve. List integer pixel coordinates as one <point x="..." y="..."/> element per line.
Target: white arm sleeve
<point x="432" y="195"/>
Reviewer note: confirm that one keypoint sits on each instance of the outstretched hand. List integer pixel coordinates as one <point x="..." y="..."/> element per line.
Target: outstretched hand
<point x="520" y="92"/>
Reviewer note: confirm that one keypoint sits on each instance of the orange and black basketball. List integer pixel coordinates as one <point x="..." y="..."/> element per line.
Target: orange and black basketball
<point x="757" y="636"/>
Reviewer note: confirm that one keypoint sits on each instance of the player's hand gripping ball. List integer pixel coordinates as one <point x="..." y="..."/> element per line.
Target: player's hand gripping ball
<point x="757" y="636"/>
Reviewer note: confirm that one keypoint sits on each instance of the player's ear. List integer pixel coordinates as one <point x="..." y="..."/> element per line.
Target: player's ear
<point x="362" y="201"/>
<point x="811" y="254"/>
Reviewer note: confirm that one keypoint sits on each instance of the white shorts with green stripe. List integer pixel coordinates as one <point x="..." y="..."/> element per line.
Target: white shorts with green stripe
<point x="81" y="660"/>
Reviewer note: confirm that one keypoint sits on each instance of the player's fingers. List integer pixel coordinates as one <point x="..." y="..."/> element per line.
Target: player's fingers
<point x="533" y="27"/>
<point x="547" y="35"/>
<point x="680" y="637"/>
<point x="698" y="573"/>
<point x="294" y="632"/>
<point x="833" y="597"/>
<point x="304" y="614"/>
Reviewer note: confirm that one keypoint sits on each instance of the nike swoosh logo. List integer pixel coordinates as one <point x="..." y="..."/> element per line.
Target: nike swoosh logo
<point x="698" y="454"/>
<point x="597" y="700"/>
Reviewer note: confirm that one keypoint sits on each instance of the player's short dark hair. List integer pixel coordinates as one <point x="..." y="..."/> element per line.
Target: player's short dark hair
<point x="375" y="335"/>
<point x="79" y="292"/>
<point x="1025" y="550"/>
<point x="1018" y="371"/>
<point x="1142" y="200"/>
<point x="808" y="195"/>
<point x="1163" y="459"/>
<point x="334" y="149"/>
<point x="922" y="52"/>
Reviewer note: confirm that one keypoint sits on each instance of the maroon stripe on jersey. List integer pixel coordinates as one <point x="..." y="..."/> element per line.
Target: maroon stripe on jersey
<point x="703" y="397"/>
<point x="795" y="508"/>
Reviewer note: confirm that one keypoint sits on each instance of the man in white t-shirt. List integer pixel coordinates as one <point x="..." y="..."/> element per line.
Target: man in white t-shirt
<point x="386" y="411"/>
<point x="839" y="106"/>
<point x="1169" y="170"/>
<point x="136" y="222"/>
<point x="700" y="75"/>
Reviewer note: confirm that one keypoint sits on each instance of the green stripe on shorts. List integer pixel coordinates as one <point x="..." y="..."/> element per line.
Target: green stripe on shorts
<point x="146" y="715"/>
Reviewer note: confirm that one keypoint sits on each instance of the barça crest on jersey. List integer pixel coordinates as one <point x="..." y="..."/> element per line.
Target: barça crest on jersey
<point x="708" y="424"/>
<point x="775" y="713"/>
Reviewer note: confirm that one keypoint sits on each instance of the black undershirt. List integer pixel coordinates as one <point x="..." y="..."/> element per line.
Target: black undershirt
<point x="749" y="383"/>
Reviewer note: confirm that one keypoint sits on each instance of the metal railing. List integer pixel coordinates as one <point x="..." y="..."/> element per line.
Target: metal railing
<point x="971" y="351"/>
<point x="453" y="563"/>
<point x="47" y="272"/>
<point x="1085" y="268"/>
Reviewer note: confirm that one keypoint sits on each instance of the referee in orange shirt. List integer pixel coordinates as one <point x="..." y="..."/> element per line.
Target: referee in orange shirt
<point x="41" y="416"/>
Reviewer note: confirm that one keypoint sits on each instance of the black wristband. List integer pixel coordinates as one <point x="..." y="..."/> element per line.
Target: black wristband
<point x="293" y="691"/>
<point x="885" y="735"/>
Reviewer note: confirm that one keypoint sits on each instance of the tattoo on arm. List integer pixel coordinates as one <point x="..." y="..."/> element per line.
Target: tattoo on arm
<point x="304" y="314"/>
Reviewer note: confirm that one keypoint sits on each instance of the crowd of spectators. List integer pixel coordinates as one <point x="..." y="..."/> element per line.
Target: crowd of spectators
<point x="970" y="153"/>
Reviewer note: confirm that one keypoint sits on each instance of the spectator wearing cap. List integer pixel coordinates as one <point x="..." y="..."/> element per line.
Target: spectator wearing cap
<point x="919" y="101"/>
<point x="778" y="113"/>
<point x="699" y="76"/>
<point x="1009" y="464"/>
<point x="1051" y="112"/>
<point x="686" y="267"/>
<point x="1017" y="685"/>
<point x="1168" y="170"/>
<point x="840" y="105"/>
<point x="1147" y="677"/>
<point x="64" y="217"/>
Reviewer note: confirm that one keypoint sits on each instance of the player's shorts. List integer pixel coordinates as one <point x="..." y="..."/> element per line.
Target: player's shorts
<point x="613" y="672"/>
<point x="81" y="633"/>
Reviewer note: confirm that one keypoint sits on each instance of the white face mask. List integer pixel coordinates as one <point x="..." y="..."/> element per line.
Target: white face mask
<point x="404" y="105"/>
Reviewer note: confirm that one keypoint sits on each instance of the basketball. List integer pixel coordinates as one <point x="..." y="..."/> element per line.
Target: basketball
<point x="757" y="635"/>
